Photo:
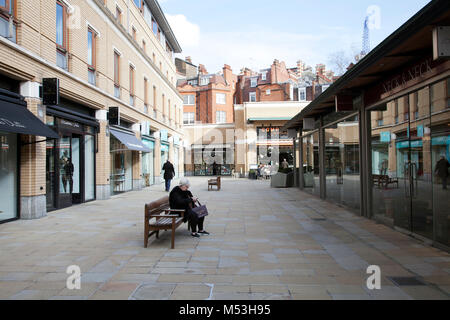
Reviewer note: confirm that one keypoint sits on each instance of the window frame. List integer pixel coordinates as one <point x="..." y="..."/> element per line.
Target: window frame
<point x="145" y="91"/>
<point x="250" y="94"/>
<point x="300" y="91"/>
<point x="188" y="100"/>
<point x="119" y="13"/>
<point x="65" y="34"/>
<point x="132" y="88"/>
<point x="221" y="113"/>
<point x="254" y="81"/>
<point x="221" y="102"/>
<point x="6" y="10"/>
<point x="117" y="76"/>
<point x="93" y="66"/>
<point x="188" y="117"/>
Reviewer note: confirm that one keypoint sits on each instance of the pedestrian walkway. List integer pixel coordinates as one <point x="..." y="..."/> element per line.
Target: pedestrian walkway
<point x="264" y="244"/>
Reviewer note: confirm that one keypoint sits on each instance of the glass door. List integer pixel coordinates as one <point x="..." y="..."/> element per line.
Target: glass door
<point x="401" y="163"/>
<point x="77" y="151"/>
<point x="65" y="172"/>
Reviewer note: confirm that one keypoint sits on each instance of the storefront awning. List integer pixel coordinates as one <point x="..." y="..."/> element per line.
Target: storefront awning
<point x="16" y="118"/>
<point x="130" y="141"/>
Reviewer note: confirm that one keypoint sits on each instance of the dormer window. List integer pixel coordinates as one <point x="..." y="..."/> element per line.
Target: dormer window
<point x="253" y="82"/>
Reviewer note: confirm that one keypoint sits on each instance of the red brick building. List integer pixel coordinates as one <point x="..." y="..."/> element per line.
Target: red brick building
<point x="279" y="83"/>
<point x="208" y="98"/>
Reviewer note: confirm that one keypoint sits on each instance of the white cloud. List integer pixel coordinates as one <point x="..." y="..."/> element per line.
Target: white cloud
<point x="258" y="49"/>
<point x="187" y="33"/>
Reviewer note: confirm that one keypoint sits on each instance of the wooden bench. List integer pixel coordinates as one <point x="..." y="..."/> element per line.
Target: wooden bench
<point x="384" y="180"/>
<point x="214" y="182"/>
<point x="165" y="219"/>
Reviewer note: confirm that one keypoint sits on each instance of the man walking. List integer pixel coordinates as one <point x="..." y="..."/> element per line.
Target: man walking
<point x="442" y="171"/>
<point x="169" y="173"/>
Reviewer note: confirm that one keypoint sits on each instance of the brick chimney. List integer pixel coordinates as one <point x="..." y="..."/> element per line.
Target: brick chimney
<point x="227" y="74"/>
<point x="202" y="69"/>
<point x="188" y="59"/>
<point x="247" y="72"/>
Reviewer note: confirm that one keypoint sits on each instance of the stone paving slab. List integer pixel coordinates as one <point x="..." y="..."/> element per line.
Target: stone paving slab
<point x="264" y="244"/>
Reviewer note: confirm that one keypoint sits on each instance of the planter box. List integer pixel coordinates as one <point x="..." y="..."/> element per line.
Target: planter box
<point x="282" y="180"/>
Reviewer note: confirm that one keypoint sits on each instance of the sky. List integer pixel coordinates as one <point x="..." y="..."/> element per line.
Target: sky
<point x="251" y="33"/>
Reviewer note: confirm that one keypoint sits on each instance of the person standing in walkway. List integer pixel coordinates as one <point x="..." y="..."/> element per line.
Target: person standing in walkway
<point x="169" y="173"/>
<point x="442" y="171"/>
<point x="181" y="198"/>
<point x="284" y="164"/>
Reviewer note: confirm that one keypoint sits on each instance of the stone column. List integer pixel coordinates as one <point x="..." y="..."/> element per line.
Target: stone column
<point x="32" y="160"/>
<point x="103" y="158"/>
<point x="158" y="164"/>
<point x="137" y="161"/>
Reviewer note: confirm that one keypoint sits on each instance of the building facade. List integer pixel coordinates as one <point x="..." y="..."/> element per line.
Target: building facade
<point x="254" y="138"/>
<point x="208" y="98"/>
<point x="118" y="116"/>
<point x="378" y="139"/>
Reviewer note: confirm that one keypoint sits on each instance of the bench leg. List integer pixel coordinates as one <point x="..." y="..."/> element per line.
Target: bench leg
<point x="157" y="234"/>
<point x="146" y="235"/>
<point x="173" y="237"/>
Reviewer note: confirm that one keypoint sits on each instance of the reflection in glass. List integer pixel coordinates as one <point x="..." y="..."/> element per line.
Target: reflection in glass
<point x="401" y="163"/>
<point x="50" y="174"/>
<point x="342" y="164"/>
<point x="311" y="172"/>
<point x="65" y="166"/>
<point x="89" y="164"/>
<point x="148" y="163"/>
<point x="440" y="158"/>
<point x="8" y="176"/>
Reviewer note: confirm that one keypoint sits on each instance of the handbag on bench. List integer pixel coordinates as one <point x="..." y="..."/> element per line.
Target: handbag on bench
<point x="201" y="210"/>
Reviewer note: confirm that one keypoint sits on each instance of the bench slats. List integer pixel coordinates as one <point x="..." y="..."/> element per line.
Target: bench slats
<point x="163" y="221"/>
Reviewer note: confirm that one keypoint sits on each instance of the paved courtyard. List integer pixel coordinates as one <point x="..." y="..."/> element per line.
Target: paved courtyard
<point x="264" y="244"/>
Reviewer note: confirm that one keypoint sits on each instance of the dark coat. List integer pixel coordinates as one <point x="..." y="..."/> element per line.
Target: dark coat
<point x="442" y="168"/>
<point x="169" y="171"/>
<point x="179" y="199"/>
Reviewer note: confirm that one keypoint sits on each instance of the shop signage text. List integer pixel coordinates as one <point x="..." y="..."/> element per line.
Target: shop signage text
<point x="412" y="73"/>
<point x="10" y="123"/>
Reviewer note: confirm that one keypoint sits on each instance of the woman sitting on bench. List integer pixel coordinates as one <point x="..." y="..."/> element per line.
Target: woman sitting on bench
<point x="181" y="198"/>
